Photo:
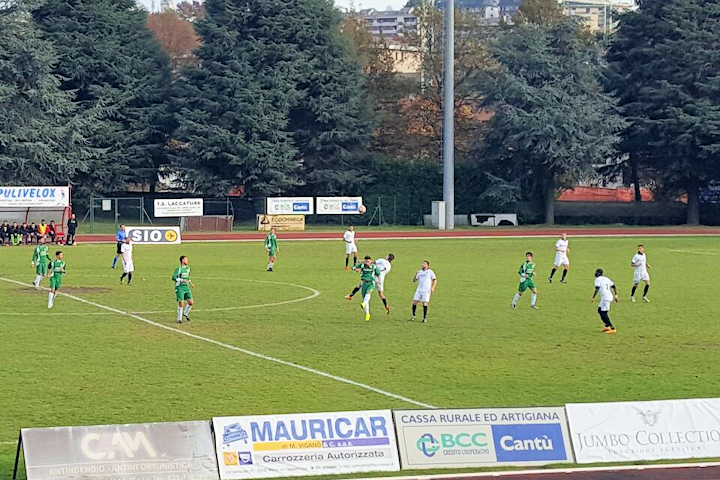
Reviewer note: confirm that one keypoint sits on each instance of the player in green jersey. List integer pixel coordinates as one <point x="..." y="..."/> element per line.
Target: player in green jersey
<point x="57" y="270"/>
<point x="183" y="284"/>
<point x="40" y="259"/>
<point x="271" y="246"/>
<point x="368" y="271"/>
<point x="527" y="272"/>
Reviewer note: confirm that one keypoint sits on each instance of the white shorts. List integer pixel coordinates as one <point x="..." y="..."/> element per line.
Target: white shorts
<point x="561" y="259"/>
<point x="605" y="305"/>
<point x="380" y="282"/>
<point x="423" y="297"/>
<point x="350" y="248"/>
<point x="641" y="276"/>
<point x="128" y="267"/>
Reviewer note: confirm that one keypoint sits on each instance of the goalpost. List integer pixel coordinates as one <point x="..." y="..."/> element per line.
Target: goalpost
<point x="34" y="204"/>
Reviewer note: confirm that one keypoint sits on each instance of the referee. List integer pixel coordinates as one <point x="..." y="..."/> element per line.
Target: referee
<point x="120" y="237"/>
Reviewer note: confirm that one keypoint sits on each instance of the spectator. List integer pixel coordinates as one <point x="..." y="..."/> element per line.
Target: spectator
<point x="15" y="234"/>
<point x="72" y="226"/>
<point x="33" y="233"/>
<point x="5" y="233"/>
<point x="42" y="230"/>
<point x="52" y="233"/>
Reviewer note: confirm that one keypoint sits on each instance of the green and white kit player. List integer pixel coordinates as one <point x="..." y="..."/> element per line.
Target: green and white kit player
<point x="271" y="247"/>
<point x="40" y="259"/>
<point x="57" y="270"/>
<point x="527" y="272"/>
<point x="183" y="284"/>
<point x="368" y="272"/>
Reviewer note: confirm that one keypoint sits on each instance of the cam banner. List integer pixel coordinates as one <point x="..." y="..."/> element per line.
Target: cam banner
<point x="27" y="197"/>
<point x="289" y="205"/>
<point x="631" y="431"/>
<point x="154" y="235"/>
<point x="338" y="205"/>
<point x="305" y="444"/>
<point x="178" y="207"/>
<point x="280" y="222"/>
<point x="148" y="451"/>
<point x="482" y="437"/>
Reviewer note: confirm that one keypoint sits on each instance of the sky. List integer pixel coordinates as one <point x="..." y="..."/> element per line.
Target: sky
<point x="376" y="4"/>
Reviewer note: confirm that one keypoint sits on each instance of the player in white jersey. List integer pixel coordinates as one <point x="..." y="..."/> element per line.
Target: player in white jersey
<point x="350" y="246"/>
<point x="427" y="282"/>
<point x="385" y="265"/>
<point x="608" y="293"/>
<point x="128" y="259"/>
<point x="561" y="258"/>
<point x="639" y="262"/>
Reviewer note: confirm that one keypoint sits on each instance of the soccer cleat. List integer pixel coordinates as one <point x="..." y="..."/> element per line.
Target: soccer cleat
<point x="367" y="317"/>
<point x="347" y="268"/>
<point x="562" y="280"/>
<point x="187" y="317"/>
<point x="179" y="321"/>
<point x="348" y="297"/>
<point x="632" y="299"/>
<point x="611" y="331"/>
<point x="362" y="305"/>
<point x="424" y="320"/>
<point x="646" y="300"/>
<point x="513" y="306"/>
<point x="549" y="279"/>
<point x="606" y="329"/>
<point x="412" y="319"/>
<point x="534" y="307"/>
<point x="387" y="309"/>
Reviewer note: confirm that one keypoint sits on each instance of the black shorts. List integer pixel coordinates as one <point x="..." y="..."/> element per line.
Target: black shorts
<point x="119" y="247"/>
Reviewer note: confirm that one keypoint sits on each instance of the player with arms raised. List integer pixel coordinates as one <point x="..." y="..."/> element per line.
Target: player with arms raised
<point x="272" y="249"/>
<point x="183" y="284"/>
<point x="604" y="285"/>
<point x="639" y="262"/>
<point x="427" y="282"/>
<point x="40" y="259"/>
<point x="561" y="258"/>
<point x="57" y="270"/>
<point x="350" y="246"/>
<point x="527" y="272"/>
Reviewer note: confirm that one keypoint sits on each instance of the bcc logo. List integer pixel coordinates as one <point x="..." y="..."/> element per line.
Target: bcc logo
<point x="428" y="445"/>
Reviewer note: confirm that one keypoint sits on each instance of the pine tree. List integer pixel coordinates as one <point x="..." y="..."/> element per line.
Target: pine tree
<point x="108" y="57"/>
<point x="665" y="68"/>
<point x="552" y="122"/>
<point x="41" y="137"/>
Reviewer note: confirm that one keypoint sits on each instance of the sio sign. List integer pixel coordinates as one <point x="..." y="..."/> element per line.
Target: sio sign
<point x="289" y="206"/>
<point x="338" y="205"/>
<point x="482" y="437"/>
<point x="34" y="197"/>
<point x="178" y="207"/>
<point x="149" y="451"/>
<point x="154" y="235"/>
<point x="305" y="444"/>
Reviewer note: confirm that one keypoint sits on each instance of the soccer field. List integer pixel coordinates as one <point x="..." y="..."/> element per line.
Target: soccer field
<point x="88" y="362"/>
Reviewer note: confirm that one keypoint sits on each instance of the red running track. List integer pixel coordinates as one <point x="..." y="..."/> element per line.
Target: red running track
<point x="484" y="233"/>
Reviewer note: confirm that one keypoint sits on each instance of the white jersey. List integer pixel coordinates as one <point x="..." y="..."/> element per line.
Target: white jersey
<point x="605" y="285"/>
<point x="349" y="236"/>
<point x="641" y="272"/>
<point x="127" y="252"/>
<point x="384" y="264"/>
<point x="425" y="279"/>
<point x="561" y="246"/>
<point x="561" y="258"/>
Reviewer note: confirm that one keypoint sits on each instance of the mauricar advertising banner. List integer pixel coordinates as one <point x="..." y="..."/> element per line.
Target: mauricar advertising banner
<point x="305" y="444"/>
<point x="482" y="437"/>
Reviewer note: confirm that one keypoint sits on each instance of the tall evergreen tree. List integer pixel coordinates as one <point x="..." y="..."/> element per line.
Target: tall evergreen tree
<point x="41" y="138"/>
<point x="665" y="68"/>
<point x="551" y="120"/>
<point x="108" y="57"/>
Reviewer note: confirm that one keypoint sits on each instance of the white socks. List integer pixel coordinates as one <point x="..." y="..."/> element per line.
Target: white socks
<point x="366" y="300"/>
<point x="179" y="314"/>
<point x="187" y="309"/>
<point x="533" y="299"/>
<point x="37" y="281"/>
<point x="51" y="297"/>
<point x="516" y="298"/>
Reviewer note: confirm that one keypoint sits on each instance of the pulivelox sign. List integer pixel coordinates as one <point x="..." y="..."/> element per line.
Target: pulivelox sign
<point x="150" y="451"/>
<point x="34" y="196"/>
<point x="659" y="430"/>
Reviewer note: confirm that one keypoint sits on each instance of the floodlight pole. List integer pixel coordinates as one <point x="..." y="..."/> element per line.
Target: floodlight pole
<point x="449" y="120"/>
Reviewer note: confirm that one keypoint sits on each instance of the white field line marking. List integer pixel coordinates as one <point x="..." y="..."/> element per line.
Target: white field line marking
<point x="694" y="252"/>
<point x="238" y="349"/>
<point x="552" y="471"/>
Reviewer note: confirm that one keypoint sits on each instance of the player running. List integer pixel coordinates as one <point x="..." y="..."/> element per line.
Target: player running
<point x="427" y="282"/>
<point x="120" y="237"/>
<point x="40" y="259"/>
<point x="350" y="246"/>
<point x="57" y="270"/>
<point x="271" y="247"/>
<point x="128" y="259"/>
<point x="527" y="272"/>
<point x="183" y="284"/>
<point x="385" y="265"/>
<point x="603" y="285"/>
<point x="561" y="258"/>
<point x="639" y="261"/>
<point x="368" y="272"/>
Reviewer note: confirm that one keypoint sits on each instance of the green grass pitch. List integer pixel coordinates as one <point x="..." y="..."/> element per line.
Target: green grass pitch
<point x="79" y="364"/>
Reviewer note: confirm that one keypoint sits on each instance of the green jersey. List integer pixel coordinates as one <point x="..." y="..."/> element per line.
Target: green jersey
<point x="181" y="276"/>
<point x="57" y="269"/>
<point x="271" y="241"/>
<point x="41" y="254"/>
<point x="368" y="272"/>
<point x="527" y="270"/>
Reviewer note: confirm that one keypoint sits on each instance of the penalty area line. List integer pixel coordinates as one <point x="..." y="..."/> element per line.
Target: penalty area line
<point x="239" y="349"/>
